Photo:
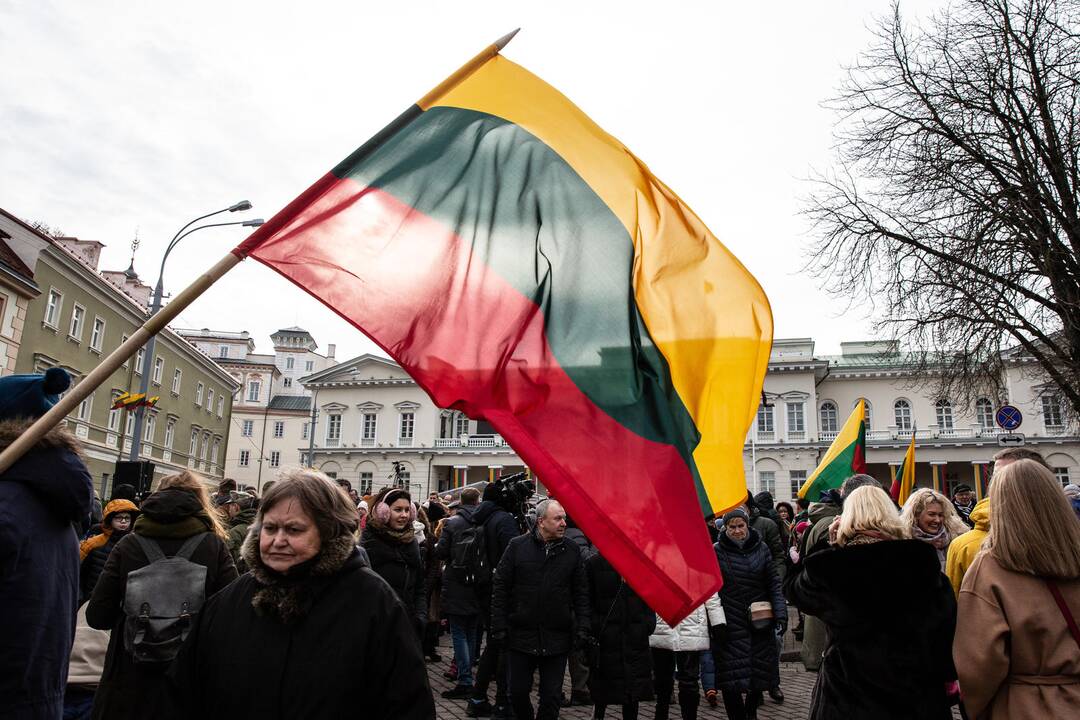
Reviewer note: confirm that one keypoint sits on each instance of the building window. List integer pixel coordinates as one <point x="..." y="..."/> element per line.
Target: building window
<point x="279" y="428"/>
<point x="221" y="405"/>
<point x="309" y="365"/>
<point x="129" y="424"/>
<point x="1062" y="475"/>
<point x="245" y="458"/>
<point x="765" y="418"/>
<point x="114" y="419"/>
<point x="1051" y="409"/>
<point x="176" y="381"/>
<point x="796" y="420"/>
<point x="140" y="355"/>
<point x="223" y="351"/>
<point x="289" y="363"/>
<point x="333" y="429"/>
<point x="198" y="393"/>
<point x="247" y="428"/>
<point x="205" y="447"/>
<point x="193" y="446"/>
<point x="78" y="315"/>
<point x="287" y="382"/>
<point x="943" y="408"/>
<point x="829" y="417"/>
<point x="97" y="334"/>
<point x="170" y="430"/>
<point x="124" y="339"/>
<point x="209" y="400"/>
<point x="408" y="421"/>
<point x="798" y="478"/>
<point x="304" y="431"/>
<point x="159" y="369"/>
<point x="767" y="481"/>
<point x="868" y="416"/>
<point x="984" y="413"/>
<point x="148" y="434"/>
<point x="254" y="386"/>
<point x="461" y="423"/>
<point x="366" y="480"/>
<point x="52" y="308"/>
<point x="370" y="423"/>
<point x="902" y="414"/>
<point x="214" y="451"/>
<point x="84" y="408"/>
<point x="275" y="458"/>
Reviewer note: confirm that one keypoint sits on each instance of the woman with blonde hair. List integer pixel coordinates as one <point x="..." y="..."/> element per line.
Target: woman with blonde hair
<point x="177" y="520"/>
<point x="890" y="615"/>
<point x="1017" y="646"/>
<point x="933" y="519"/>
<point x="295" y="635"/>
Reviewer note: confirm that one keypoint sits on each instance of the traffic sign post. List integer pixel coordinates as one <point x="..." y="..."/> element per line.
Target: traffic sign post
<point x="1008" y="418"/>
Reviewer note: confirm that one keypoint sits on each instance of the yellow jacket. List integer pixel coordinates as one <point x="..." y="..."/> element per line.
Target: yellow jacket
<point x="962" y="550"/>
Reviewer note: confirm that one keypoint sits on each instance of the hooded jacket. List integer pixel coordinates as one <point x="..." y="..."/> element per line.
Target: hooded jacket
<point x="962" y="550"/>
<point x="769" y="530"/>
<point x="457" y="597"/>
<point x="891" y="617"/>
<point x="169" y="517"/>
<point x="238" y="530"/>
<point x="94" y="551"/>
<point x="42" y="495"/>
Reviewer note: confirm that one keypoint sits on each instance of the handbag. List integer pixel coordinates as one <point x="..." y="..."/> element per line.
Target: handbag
<point x="761" y="615"/>
<point x="1073" y="629"/>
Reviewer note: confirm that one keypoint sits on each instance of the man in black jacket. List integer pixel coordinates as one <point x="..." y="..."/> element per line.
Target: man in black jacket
<point x="540" y="609"/>
<point x="460" y="598"/>
<point x="500" y="528"/>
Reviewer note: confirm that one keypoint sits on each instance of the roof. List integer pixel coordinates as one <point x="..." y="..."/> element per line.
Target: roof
<point x="293" y="329"/>
<point x="9" y="258"/>
<point x="290" y="402"/>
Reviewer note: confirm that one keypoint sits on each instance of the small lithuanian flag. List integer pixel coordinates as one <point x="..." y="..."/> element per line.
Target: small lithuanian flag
<point x="844" y="458"/>
<point x="904" y="482"/>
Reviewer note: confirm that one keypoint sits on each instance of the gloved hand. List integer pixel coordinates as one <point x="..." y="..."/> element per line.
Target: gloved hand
<point x="718" y="634"/>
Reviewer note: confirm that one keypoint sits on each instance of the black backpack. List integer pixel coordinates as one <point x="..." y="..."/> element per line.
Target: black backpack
<point x="469" y="556"/>
<point x="161" y="600"/>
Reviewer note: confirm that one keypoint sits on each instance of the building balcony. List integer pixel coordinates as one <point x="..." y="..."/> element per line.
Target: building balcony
<point x="766" y="436"/>
<point x="796" y="436"/>
<point x="367" y="442"/>
<point x="471" y="441"/>
<point x="829" y="435"/>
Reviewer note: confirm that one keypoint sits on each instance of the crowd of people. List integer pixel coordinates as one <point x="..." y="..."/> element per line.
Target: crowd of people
<point x="284" y="603"/>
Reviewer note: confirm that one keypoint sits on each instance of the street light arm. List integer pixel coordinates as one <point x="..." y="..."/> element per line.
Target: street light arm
<point x="180" y="236"/>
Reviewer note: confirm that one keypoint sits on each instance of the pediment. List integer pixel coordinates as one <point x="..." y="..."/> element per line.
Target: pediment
<point x="360" y="369"/>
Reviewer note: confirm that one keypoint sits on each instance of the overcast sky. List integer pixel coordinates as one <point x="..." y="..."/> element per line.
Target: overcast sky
<point x="117" y="117"/>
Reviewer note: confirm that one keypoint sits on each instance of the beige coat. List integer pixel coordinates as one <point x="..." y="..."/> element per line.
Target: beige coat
<point x="1014" y="655"/>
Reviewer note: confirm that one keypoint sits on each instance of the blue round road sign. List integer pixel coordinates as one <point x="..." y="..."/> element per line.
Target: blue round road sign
<point x="1008" y="417"/>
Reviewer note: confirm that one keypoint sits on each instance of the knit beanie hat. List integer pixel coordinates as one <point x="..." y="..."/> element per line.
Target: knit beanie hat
<point x="31" y="396"/>
<point x="736" y="513"/>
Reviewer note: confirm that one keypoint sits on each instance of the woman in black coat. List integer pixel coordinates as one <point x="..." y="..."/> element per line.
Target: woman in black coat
<point x="890" y="613"/>
<point x="620" y="673"/>
<point x="392" y="548"/>
<point x="169" y="517"/>
<point x="748" y="662"/>
<point x="306" y="626"/>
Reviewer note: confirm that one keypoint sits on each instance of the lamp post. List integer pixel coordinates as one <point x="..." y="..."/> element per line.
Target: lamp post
<point x="148" y="350"/>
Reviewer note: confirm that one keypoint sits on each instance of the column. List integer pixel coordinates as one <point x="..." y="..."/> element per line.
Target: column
<point x="980" y="470"/>
<point x="937" y="467"/>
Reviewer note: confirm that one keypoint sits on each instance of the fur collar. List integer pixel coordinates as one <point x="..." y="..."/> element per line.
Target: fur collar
<point x="58" y="438"/>
<point x="290" y="597"/>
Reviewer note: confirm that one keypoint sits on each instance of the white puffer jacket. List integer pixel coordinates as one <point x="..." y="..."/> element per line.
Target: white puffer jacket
<point x="693" y="632"/>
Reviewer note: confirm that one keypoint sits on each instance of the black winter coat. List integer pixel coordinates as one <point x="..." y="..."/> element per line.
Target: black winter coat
<point x="239" y="664"/>
<point x="457" y="597"/>
<point x="41" y="496"/>
<point x="94" y="564"/>
<point x="540" y="597"/>
<point x="500" y="528"/>
<point x="399" y="565"/>
<point x="169" y="517"/>
<point x="621" y="624"/>
<point x="890" y="615"/>
<point x="749" y="660"/>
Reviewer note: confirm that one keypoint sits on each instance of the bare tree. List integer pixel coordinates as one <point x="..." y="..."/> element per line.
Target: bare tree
<point x="954" y="204"/>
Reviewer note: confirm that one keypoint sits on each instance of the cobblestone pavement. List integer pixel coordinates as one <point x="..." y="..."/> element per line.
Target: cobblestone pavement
<point x="796" y="683"/>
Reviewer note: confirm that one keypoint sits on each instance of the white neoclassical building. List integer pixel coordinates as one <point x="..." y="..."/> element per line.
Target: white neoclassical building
<point x="371" y="414"/>
<point x="808" y="397"/>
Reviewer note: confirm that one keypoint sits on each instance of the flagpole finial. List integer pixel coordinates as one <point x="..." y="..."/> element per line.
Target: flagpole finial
<point x="505" y="39"/>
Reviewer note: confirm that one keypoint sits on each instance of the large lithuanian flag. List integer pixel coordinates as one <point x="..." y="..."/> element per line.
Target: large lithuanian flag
<point x="844" y="458"/>
<point x="526" y="268"/>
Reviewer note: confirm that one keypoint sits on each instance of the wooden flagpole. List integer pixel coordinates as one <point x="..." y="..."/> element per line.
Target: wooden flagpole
<point x="158" y="321"/>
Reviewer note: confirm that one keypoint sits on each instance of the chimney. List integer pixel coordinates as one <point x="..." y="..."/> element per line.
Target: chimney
<point x="330" y="350"/>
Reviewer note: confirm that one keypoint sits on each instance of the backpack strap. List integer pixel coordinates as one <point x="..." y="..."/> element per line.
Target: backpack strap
<point x="150" y="548"/>
<point x="1056" y="592"/>
<point x="188" y="547"/>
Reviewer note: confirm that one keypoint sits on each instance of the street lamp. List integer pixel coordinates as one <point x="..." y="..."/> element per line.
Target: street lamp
<point x="148" y="350"/>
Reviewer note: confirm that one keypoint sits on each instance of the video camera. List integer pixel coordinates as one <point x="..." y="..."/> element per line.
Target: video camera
<point x="512" y="493"/>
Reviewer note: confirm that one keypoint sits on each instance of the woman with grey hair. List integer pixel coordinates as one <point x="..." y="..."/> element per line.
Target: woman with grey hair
<point x="291" y="637"/>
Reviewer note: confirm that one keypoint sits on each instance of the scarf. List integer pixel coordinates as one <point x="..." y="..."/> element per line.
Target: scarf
<point x="940" y="540"/>
<point x="867" y="537"/>
<point x="290" y="596"/>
